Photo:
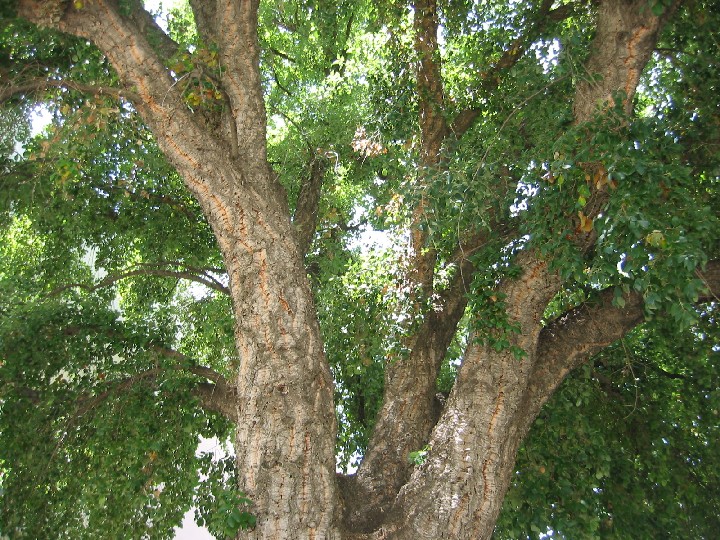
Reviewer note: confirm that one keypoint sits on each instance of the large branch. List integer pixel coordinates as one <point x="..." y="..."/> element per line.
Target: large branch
<point x="204" y="12"/>
<point x="409" y="410"/>
<point x="570" y="340"/>
<point x="163" y="44"/>
<point x="38" y="85"/>
<point x="236" y="24"/>
<point x="625" y="38"/>
<point x="627" y="32"/>
<point x="433" y="127"/>
<point x="433" y="130"/>
<point x="159" y="99"/>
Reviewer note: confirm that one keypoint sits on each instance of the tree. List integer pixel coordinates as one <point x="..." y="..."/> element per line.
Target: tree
<point x="547" y="173"/>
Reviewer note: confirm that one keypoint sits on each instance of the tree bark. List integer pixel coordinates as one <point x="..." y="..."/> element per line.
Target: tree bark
<point x="282" y="393"/>
<point x="284" y="408"/>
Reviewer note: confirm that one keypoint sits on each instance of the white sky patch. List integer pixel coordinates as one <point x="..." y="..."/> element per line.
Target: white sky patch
<point x="40" y="118"/>
<point x="547" y="53"/>
<point x="162" y="7"/>
<point x="189" y="530"/>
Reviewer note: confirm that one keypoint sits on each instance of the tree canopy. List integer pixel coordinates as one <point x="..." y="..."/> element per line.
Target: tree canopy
<point x="505" y="216"/>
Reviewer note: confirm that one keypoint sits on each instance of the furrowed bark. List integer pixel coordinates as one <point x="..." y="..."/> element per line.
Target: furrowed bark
<point x="408" y="414"/>
<point x="281" y="397"/>
<point x="284" y="409"/>
<point x="625" y="38"/>
<point x="306" y="213"/>
<point x="458" y="491"/>
<point x="236" y="24"/>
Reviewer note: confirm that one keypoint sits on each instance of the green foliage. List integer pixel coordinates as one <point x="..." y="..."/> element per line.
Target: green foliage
<point x="217" y="504"/>
<point x="626" y="446"/>
<point x="104" y="455"/>
<point x="91" y="212"/>
<point x="419" y="456"/>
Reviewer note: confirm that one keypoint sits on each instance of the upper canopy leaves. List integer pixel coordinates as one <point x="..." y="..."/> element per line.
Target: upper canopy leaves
<point x="105" y="351"/>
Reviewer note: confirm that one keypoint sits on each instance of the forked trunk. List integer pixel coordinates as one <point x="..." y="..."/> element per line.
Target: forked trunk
<point x="284" y="439"/>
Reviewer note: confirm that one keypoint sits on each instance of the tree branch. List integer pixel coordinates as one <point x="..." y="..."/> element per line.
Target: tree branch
<point x="433" y="130"/>
<point x="146" y="24"/>
<point x="570" y="340"/>
<point x="216" y="396"/>
<point x="429" y="80"/>
<point x="409" y="410"/>
<point x="158" y="99"/>
<point x="37" y="85"/>
<point x="204" y="13"/>
<point x="205" y="279"/>
<point x="306" y="211"/>
<point x="627" y="32"/>
<point x="512" y="55"/>
<point x="220" y="399"/>
<point x="237" y="24"/>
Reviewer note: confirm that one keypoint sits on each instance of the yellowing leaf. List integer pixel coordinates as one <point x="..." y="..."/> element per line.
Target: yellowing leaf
<point x="586" y="223"/>
<point x="656" y="239"/>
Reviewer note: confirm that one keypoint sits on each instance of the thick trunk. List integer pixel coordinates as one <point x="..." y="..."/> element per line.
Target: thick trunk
<point x="283" y="387"/>
<point x="286" y="424"/>
<point x="409" y="412"/>
<point x="462" y="485"/>
<point x="284" y="438"/>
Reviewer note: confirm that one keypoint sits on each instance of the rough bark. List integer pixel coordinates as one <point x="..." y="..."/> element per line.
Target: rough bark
<point x="458" y="491"/>
<point x="281" y="396"/>
<point x="409" y="406"/>
<point x="625" y="38"/>
<point x="408" y="413"/>
<point x="284" y="411"/>
<point x="306" y="212"/>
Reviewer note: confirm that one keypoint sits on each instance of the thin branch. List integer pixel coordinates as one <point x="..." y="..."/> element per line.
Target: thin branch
<point x="206" y="280"/>
<point x="516" y="110"/>
<point x="512" y="55"/>
<point x="37" y="85"/>
<point x="215" y="396"/>
<point x="306" y="212"/>
<point x="281" y="54"/>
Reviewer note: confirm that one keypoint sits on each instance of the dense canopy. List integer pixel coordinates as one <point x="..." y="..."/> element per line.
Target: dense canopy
<point x="435" y="269"/>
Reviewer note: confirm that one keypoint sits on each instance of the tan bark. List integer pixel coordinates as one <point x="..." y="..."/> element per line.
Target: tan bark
<point x="284" y="408"/>
<point x="281" y="396"/>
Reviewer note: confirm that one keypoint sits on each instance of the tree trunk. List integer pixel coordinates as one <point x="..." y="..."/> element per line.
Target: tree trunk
<point x="285" y="417"/>
<point x="285" y="433"/>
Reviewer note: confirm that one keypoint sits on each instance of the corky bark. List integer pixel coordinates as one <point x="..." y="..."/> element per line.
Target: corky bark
<point x="406" y="417"/>
<point x="284" y="408"/>
<point x="281" y="397"/>
<point x="409" y="407"/>
<point x="458" y="491"/>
